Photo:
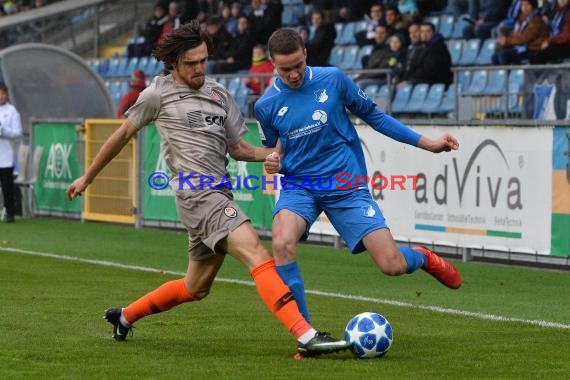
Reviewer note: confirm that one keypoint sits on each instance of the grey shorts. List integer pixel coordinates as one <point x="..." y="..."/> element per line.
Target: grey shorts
<point x="209" y="216"/>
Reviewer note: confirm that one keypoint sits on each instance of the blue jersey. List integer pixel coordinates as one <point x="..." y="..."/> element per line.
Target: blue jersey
<point x="321" y="146"/>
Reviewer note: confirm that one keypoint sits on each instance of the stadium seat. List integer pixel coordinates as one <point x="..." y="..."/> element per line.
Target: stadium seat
<point x="143" y="64"/>
<point x="458" y="26"/>
<point x="516" y="78"/>
<point x="486" y="52"/>
<point x="446" y="25"/>
<point x="337" y="54"/>
<point x="448" y="103"/>
<point x="349" y="57"/>
<point x="292" y="12"/>
<point x="469" y="52"/>
<point x="242" y="98"/>
<point x="338" y="26"/>
<point x="463" y="79"/>
<point x="497" y="83"/>
<point x="478" y="83"/>
<point x="360" y="25"/>
<point x="401" y="99"/>
<point x="233" y="85"/>
<point x="347" y="35"/>
<point x="434" y="20"/>
<point x="121" y="68"/>
<point x="371" y="89"/>
<point x="455" y="47"/>
<point x="433" y="98"/>
<point x="382" y="97"/>
<point x="132" y="65"/>
<point x="417" y="98"/>
<point x="362" y="52"/>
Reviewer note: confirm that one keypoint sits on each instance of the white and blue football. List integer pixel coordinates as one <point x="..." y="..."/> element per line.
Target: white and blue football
<point x="370" y="335"/>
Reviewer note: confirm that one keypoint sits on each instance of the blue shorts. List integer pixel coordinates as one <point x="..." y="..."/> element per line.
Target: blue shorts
<point x="354" y="214"/>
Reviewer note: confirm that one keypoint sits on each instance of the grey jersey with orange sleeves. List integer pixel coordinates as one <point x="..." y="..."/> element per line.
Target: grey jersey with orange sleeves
<point x="196" y="127"/>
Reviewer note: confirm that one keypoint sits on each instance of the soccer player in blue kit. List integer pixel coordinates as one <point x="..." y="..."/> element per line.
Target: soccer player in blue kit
<point x="306" y="109"/>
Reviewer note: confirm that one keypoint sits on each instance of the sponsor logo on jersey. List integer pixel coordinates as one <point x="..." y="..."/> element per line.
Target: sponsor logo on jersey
<point x="321" y="96"/>
<point x="230" y="212"/>
<point x="215" y="120"/>
<point x="283" y="111"/>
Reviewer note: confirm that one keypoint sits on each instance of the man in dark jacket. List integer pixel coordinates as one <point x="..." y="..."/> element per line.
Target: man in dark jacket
<point x="433" y="64"/>
<point x="320" y="45"/>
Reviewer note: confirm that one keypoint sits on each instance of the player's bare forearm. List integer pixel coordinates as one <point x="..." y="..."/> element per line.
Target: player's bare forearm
<point x="444" y="143"/>
<point x="243" y="151"/>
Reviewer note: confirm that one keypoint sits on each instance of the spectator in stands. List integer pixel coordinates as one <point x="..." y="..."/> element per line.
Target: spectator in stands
<point x="231" y="23"/>
<point x="264" y="18"/>
<point x="319" y="46"/>
<point x="433" y="64"/>
<point x="413" y="50"/>
<point x="395" y="23"/>
<point x="506" y="26"/>
<point x="238" y="53"/>
<point x="408" y="9"/>
<point x="379" y="57"/>
<point x="557" y="45"/>
<point x="485" y="15"/>
<point x="220" y="40"/>
<point x="527" y="36"/>
<point x="367" y="36"/>
<point x="130" y="97"/>
<point x="151" y="33"/>
<point x="349" y="10"/>
<point x="171" y="23"/>
<point x="260" y="64"/>
<point x="10" y="130"/>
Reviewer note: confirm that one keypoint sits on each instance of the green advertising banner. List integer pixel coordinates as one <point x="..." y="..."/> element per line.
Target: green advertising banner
<point x="58" y="167"/>
<point x="256" y="200"/>
<point x="156" y="204"/>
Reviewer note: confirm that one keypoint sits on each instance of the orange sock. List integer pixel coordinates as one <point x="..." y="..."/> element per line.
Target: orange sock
<point x="278" y="298"/>
<point x="161" y="299"/>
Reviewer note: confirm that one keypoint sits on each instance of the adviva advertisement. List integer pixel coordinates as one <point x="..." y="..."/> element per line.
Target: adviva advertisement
<point x="495" y="191"/>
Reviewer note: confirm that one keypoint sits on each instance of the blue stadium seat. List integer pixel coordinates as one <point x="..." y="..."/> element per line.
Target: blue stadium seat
<point x="516" y="78"/>
<point x="132" y="65"/>
<point x="455" y="47"/>
<point x="370" y="88"/>
<point x="401" y="99"/>
<point x="446" y="25"/>
<point x="338" y="26"/>
<point x="360" y="25"/>
<point x="486" y="52"/>
<point x="469" y="52"/>
<point x="463" y="79"/>
<point x="347" y="35"/>
<point x="448" y="103"/>
<point x="143" y="64"/>
<point x="233" y="85"/>
<point x="122" y="67"/>
<point x="478" y="83"/>
<point x="153" y="67"/>
<point x="113" y="68"/>
<point x="458" y="27"/>
<point x="382" y="97"/>
<point x="292" y="12"/>
<point x="242" y="98"/>
<point x="349" y="57"/>
<point x="337" y="54"/>
<point x="362" y="52"/>
<point x="417" y="98"/>
<point x="496" y="83"/>
<point x="433" y="99"/>
<point x="434" y="20"/>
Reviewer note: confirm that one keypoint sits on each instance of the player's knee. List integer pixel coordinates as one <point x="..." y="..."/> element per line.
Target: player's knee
<point x="393" y="266"/>
<point x="283" y="248"/>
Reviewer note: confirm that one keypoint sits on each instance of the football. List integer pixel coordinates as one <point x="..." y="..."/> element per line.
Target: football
<point x="370" y="335"/>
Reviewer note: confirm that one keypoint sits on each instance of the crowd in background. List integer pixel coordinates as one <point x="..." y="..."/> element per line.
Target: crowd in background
<point x="10" y="7"/>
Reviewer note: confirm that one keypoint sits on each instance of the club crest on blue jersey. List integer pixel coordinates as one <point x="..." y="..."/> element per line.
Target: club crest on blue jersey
<point x="230" y="212"/>
<point x="369" y="211"/>
<point x="321" y="96"/>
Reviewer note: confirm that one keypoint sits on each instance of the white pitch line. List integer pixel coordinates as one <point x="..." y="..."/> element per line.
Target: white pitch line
<point x="436" y="309"/>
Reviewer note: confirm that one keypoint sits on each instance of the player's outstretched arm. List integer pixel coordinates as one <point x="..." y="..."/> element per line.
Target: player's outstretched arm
<point x="444" y="143"/>
<point x="243" y="151"/>
<point x="108" y="151"/>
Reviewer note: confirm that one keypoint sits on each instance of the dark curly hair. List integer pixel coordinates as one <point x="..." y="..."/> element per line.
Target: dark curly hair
<point x="177" y="42"/>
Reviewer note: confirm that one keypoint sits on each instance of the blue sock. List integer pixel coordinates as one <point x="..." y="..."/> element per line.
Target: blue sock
<point x="414" y="259"/>
<point x="291" y="276"/>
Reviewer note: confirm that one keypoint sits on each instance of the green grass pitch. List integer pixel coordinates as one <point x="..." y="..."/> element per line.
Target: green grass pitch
<point x="57" y="278"/>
